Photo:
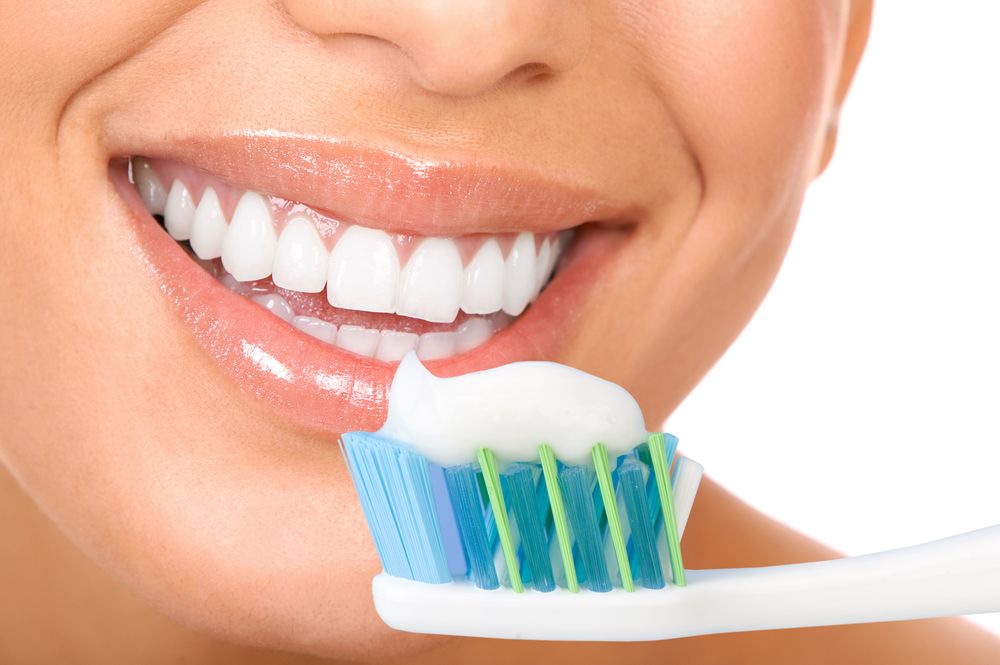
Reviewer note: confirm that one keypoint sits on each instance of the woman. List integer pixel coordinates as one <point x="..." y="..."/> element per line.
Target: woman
<point x="353" y="180"/>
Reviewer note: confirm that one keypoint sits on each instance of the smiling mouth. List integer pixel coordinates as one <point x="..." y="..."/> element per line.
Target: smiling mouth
<point x="307" y="268"/>
<point x="365" y="290"/>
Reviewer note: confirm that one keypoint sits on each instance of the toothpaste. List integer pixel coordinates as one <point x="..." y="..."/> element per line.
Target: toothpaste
<point x="510" y="409"/>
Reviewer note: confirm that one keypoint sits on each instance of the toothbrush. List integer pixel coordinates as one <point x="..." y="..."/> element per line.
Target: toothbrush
<point x="517" y="544"/>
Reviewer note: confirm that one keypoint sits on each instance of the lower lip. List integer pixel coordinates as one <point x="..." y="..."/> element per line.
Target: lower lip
<point x="319" y="386"/>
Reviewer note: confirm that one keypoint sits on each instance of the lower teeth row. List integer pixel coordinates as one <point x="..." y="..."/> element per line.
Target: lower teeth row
<point x="386" y="344"/>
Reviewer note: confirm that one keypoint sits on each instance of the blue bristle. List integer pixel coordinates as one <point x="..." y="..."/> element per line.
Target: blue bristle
<point x="598" y="502"/>
<point x="607" y="568"/>
<point x="542" y="500"/>
<point x="466" y="500"/>
<point x="637" y="456"/>
<point x="646" y="561"/>
<point x="521" y="492"/>
<point x="491" y="526"/>
<point x="375" y="504"/>
<point x="522" y="566"/>
<point x="542" y="505"/>
<point x="576" y="483"/>
<point x="453" y="550"/>
<point x="670" y="444"/>
<point x="548" y="525"/>
<point x="394" y="487"/>
<point x="653" y="501"/>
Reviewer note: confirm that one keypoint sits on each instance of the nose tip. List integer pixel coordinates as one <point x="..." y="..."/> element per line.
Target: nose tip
<point x="461" y="47"/>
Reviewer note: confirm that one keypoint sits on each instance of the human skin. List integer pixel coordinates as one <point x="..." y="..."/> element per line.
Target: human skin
<point x="154" y="511"/>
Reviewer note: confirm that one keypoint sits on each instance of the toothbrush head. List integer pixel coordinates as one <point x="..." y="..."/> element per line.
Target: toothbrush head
<point x="525" y="535"/>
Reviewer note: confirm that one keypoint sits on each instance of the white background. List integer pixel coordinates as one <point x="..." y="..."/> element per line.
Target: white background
<point x="861" y="404"/>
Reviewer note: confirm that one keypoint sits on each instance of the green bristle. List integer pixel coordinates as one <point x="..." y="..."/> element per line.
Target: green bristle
<point x="551" y="473"/>
<point x="600" y="455"/>
<point x="487" y="463"/>
<point x="661" y="467"/>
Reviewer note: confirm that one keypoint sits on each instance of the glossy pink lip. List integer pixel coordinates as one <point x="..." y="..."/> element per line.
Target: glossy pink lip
<point x="388" y="190"/>
<point x="318" y="386"/>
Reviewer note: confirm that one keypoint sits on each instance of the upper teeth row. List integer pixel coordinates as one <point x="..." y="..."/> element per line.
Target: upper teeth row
<point x="362" y="271"/>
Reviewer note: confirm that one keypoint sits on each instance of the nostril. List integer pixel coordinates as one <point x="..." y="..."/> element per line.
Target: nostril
<point x="462" y="47"/>
<point x="532" y="72"/>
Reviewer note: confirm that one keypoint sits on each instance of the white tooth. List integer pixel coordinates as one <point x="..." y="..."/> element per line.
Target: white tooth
<point x="151" y="190"/>
<point x="393" y="345"/>
<point x="318" y="328"/>
<point x="248" y="247"/>
<point x="362" y="341"/>
<point x="472" y="333"/>
<point x="483" y="291"/>
<point x="435" y="345"/>
<point x="542" y="266"/>
<point x="275" y="304"/>
<point x="430" y="286"/>
<point x="364" y="271"/>
<point x="209" y="226"/>
<point x="519" y="274"/>
<point x="178" y="213"/>
<point x="301" y="259"/>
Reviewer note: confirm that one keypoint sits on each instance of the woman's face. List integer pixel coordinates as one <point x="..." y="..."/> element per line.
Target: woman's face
<point x="184" y="436"/>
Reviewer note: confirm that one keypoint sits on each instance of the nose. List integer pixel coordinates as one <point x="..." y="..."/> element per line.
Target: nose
<point x="461" y="47"/>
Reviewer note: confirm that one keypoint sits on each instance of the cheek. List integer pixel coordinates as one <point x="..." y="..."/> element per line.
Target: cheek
<point x="748" y="82"/>
<point x="51" y="62"/>
<point x="155" y="466"/>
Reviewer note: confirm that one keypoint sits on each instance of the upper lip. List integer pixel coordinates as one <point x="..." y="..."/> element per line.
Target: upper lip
<point x="382" y="188"/>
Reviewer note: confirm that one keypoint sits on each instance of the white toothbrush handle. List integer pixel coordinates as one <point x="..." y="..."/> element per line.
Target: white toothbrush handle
<point x="957" y="575"/>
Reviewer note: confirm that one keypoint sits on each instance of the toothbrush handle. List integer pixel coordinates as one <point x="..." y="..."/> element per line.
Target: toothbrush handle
<point x="956" y="575"/>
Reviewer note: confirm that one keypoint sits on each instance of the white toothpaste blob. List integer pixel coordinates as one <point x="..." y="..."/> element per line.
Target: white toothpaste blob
<point x="510" y="409"/>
